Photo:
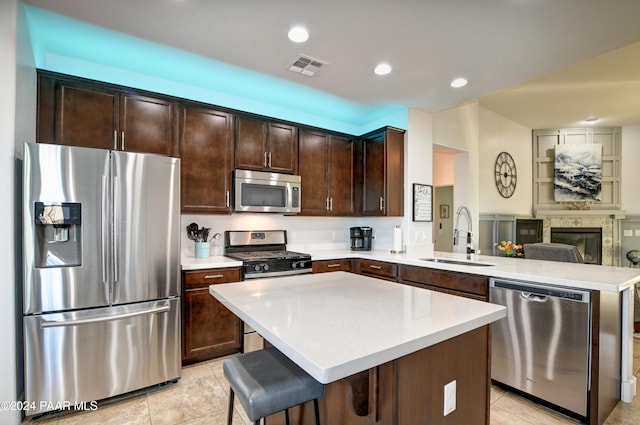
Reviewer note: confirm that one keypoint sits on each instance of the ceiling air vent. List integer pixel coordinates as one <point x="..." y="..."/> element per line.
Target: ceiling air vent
<point x="306" y="65"/>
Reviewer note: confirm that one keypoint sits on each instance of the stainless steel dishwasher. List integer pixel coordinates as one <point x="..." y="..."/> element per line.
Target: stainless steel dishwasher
<point x="542" y="347"/>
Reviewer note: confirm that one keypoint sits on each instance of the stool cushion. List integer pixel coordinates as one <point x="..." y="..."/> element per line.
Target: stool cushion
<point x="266" y="382"/>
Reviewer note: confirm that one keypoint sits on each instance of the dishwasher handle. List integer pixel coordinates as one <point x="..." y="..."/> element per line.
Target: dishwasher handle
<point x="534" y="297"/>
<point x="541" y="290"/>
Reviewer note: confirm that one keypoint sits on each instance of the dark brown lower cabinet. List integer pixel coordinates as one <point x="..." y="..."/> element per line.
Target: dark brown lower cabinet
<point x="379" y="269"/>
<point x="343" y="265"/>
<point x="463" y="284"/>
<point x="209" y="329"/>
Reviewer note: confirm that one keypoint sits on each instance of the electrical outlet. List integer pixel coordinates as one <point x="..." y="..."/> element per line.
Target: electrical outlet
<point x="449" y="397"/>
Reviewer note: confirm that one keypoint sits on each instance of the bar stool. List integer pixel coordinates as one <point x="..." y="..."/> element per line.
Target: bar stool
<point x="266" y="382"/>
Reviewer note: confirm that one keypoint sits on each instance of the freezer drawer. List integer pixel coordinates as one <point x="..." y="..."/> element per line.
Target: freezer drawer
<point x="95" y="354"/>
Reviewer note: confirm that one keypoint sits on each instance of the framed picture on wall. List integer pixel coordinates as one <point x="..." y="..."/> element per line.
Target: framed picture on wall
<point x="444" y="211"/>
<point x="422" y="202"/>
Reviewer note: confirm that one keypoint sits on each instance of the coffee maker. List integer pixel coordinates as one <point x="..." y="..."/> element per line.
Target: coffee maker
<point x="361" y="238"/>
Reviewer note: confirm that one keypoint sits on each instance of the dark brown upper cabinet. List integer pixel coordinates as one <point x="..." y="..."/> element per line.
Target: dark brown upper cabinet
<point x="266" y="146"/>
<point x="327" y="174"/>
<point x="206" y="152"/>
<point x="79" y="112"/>
<point x="382" y="164"/>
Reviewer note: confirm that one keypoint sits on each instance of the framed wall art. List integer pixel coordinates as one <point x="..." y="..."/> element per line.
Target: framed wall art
<point x="577" y="173"/>
<point x="444" y="211"/>
<point x="422" y="202"/>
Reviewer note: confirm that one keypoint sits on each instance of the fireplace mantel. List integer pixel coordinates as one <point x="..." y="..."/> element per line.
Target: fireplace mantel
<point x="617" y="214"/>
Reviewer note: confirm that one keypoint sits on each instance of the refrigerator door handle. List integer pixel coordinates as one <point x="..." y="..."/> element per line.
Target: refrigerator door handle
<point x="104" y="218"/>
<point x="116" y="227"/>
<point x="75" y="322"/>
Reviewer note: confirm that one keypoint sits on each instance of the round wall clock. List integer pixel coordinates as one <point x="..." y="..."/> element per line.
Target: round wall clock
<point x="506" y="174"/>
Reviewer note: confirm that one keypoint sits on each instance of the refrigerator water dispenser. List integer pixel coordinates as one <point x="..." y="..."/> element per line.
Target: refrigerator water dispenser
<point x="58" y="234"/>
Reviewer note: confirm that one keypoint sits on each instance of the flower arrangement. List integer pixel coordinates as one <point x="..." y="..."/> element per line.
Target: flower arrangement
<point x="510" y="249"/>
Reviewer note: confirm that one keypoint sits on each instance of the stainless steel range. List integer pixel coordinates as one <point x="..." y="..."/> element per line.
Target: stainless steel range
<point x="264" y="254"/>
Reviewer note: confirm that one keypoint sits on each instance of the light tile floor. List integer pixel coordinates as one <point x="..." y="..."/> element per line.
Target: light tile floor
<point x="200" y="398"/>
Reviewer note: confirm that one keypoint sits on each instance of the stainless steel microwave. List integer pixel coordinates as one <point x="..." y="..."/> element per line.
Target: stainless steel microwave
<point x="258" y="191"/>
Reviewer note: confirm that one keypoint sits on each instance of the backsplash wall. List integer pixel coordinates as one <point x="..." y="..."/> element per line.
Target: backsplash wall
<point x="303" y="233"/>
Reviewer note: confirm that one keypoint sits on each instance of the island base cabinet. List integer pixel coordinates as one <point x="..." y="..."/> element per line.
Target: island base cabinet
<point x="423" y="375"/>
<point x="410" y="390"/>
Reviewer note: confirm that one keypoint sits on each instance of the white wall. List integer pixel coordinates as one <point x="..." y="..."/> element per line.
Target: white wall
<point x="459" y="128"/>
<point x="418" y="169"/>
<point x="303" y="233"/>
<point x="498" y="134"/>
<point x="8" y="391"/>
<point x="443" y="169"/>
<point x="630" y="170"/>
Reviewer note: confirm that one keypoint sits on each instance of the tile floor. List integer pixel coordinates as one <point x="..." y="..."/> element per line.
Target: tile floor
<point x="200" y="397"/>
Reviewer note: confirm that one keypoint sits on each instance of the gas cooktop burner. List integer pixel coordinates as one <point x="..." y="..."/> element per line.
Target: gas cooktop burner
<point x="264" y="254"/>
<point x="267" y="255"/>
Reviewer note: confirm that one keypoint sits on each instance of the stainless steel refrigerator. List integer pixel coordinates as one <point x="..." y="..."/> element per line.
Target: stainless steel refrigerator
<point x="101" y="273"/>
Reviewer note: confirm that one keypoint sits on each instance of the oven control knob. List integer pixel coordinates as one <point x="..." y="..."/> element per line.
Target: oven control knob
<point x="265" y="267"/>
<point x="256" y="267"/>
<point x="294" y="264"/>
<point x="301" y="264"/>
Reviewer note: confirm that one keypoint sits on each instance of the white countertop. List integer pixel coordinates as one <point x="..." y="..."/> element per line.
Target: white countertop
<point x="582" y="276"/>
<point x="188" y="261"/>
<point x="336" y="324"/>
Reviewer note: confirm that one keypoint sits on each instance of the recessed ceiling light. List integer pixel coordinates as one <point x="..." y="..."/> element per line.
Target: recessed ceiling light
<point x="298" y="34"/>
<point x="458" y="82"/>
<point x="382" y="69"/>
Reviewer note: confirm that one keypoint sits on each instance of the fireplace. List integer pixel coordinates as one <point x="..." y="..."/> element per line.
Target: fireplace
<point x="588" y="240"/>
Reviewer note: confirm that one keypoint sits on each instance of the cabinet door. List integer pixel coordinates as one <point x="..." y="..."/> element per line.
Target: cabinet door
<point x="209" y="329"/>
<point x="282" y="148"/>
<point x="394" y="173"/>
<point x="313" y="160"/>
<point x="383" y="173"/>
<point x="206" y="152"/>
<point x="250" y="143"/>
<point x="147" y="125"/>
<point x="374" y="175"/>
<point x="340" y="185"/>
<point x="75" y="114"/>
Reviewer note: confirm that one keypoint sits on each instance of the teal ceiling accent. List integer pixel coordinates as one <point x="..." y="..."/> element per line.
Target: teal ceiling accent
<point x="66" y="45"/>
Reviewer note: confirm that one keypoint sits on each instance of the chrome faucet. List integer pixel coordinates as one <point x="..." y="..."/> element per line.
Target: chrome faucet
<point x="467" y="213"/>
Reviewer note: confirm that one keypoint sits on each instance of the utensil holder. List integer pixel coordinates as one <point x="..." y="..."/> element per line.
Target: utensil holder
<point x="203" y="249"/>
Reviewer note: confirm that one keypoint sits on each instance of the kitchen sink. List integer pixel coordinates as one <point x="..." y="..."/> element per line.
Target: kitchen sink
<point x="457" y="262"/>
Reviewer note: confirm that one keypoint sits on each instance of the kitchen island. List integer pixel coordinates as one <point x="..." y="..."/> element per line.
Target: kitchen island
<point x="386" y="351"/>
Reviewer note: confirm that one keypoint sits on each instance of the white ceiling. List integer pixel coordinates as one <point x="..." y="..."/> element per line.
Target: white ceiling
<point x="537" y="62"/>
